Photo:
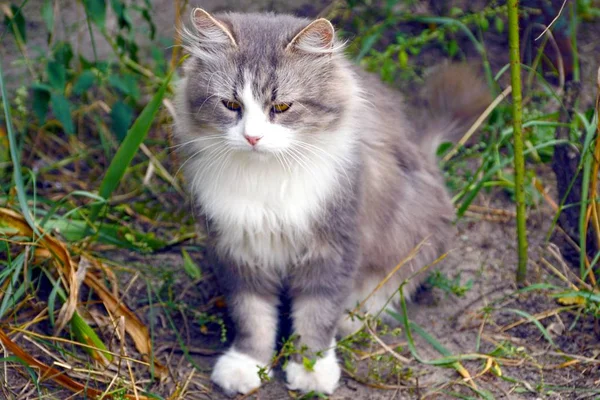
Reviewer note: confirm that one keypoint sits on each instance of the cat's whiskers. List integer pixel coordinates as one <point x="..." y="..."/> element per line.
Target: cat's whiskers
<point x="227" y="84"/>
<point x="279" y="160"/>
<point x="313" y="149"/>
<point x="205" y="100"/>
<point x="206" y="166"/>
<point x="224" y="161"/>
<point x="303" y="106"/>
<point x="285" y="161"/>
<point x="212" y="158"/>
<point x="303" y="161"/>
<point x="301" y="149"/>
<point x="197" y="153"/>
<point x="198" y="139"/>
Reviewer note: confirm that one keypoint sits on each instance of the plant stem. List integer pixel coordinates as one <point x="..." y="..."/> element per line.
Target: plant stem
<point x="515" y="75"/>
<point x="573" y="22"/>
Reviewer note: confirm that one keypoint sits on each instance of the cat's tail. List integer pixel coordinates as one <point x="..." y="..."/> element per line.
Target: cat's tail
<point x="454" y="97"/>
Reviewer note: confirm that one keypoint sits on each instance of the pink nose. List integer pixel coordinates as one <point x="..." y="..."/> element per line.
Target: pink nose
<point x="252" y="139"/>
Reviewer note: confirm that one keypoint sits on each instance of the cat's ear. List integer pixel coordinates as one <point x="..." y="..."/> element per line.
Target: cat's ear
<point x="317" y="38"/>
<point x="210" y="29"/>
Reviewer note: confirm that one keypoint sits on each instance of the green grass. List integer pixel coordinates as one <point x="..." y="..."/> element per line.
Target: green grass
<point x="85" y="182"/>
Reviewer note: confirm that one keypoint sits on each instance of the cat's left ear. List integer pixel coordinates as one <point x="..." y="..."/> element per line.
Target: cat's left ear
<point x="211" y="29"/>
<point x="317" y="38"/>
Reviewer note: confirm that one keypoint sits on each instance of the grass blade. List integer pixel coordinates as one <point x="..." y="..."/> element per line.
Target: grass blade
<point x="14" y="154"/>
<point x="537" y="323"/>
<point x="129" y="147"/>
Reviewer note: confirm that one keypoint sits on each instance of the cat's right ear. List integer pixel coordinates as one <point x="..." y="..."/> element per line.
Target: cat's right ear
<point x="317" y="38"/>
<point x="211" y="30"/>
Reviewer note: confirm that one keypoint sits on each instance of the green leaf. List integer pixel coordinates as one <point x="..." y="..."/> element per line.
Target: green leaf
<point x="63" y="53"/>
<point x="126" y="84"/>
<point x="57" y="75"/>
<point x="123" y="18"/>
<point x="456" y="12"/>
<point x="146" y="15"/>
<point x="86" y="335"/>
<point x="309" y="364"/>
<point x="367" y="44"/>
<point x="499" y="23"/>
<point x="111" y="234"/>
<point x="159" y="59"/>
<point x="62" y="111"/>
<point x="121" y="116"/>
<point x="118" y="83"/>
<point x="403" y="59"/>
<point x="84" y="82"/>
<point x="48" y="15"/>
<point x="443" y="148"/>
<point x="452" y="48"/>
<point x="129" y="147"/>
<point x="41" y="100"/>
<point x="484" y="24"/>
<point x="96" y="11"/>
<point x="192" y="269"/>
<point x="16" y="24"/>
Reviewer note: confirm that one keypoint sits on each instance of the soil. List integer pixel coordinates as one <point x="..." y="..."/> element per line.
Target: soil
<point x="485" y="253"/>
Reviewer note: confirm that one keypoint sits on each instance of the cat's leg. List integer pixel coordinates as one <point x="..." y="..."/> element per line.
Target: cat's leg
<point x="318" y="299"/>
<point x="255" y="319"/>
<point x="315" y="320"/>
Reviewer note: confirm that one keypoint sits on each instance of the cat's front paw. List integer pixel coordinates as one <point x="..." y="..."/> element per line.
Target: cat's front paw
<point x="323" y="378"/>
<point x="236" y="372"/>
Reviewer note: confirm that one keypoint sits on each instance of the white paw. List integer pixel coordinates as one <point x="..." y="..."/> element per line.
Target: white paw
<point x="235" y="372"/>
<point x="323" y="379"/>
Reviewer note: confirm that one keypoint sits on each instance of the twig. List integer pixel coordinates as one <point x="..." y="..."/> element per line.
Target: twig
<point x="477" y="123"/>
<point x="553" y="21"/>
<point x="387" y="348"/>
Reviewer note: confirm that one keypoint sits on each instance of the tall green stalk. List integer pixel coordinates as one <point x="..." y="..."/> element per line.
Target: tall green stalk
<point x="515" y="76"/>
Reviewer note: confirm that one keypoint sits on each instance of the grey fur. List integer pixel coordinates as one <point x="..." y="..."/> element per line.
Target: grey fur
<point x="391" y="195"/>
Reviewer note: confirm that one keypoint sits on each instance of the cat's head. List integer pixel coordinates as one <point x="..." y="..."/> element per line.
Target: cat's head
<point x="264" y="83"/>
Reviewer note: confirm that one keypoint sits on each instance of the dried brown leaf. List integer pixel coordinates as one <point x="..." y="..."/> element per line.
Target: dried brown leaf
<point x="57" y="376"/>
<point x="64" y="264"/>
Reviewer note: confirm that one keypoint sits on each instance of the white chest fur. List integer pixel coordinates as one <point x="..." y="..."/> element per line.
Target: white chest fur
<point x="264" y="209"/>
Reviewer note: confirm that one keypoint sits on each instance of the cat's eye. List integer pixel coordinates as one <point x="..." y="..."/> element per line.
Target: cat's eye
<point x="281" y="107"/>
<point x="232" y="105"/>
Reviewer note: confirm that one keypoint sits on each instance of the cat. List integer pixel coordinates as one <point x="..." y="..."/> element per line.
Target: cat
<point x="309" y="178"/>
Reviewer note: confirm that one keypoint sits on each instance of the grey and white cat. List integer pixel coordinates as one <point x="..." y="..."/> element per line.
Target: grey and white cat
<point x="310" y="179"/>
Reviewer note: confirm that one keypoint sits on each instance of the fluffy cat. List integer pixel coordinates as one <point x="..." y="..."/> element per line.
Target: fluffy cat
<point x="310" y="179"/>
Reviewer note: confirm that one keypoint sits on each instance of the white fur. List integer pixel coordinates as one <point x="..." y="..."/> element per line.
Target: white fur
<point x="323" y="379"/>
<point x="263" y="200"/>
<point x="235" y="372"/>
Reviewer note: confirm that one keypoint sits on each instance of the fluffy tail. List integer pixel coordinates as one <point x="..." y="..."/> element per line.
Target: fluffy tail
<point x="454" y="97"/>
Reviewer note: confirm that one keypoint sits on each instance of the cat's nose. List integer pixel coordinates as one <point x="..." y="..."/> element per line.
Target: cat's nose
<point x="252" y="139"/>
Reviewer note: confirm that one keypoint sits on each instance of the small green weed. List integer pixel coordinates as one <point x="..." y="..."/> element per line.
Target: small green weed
<point x="450" y="285"/>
